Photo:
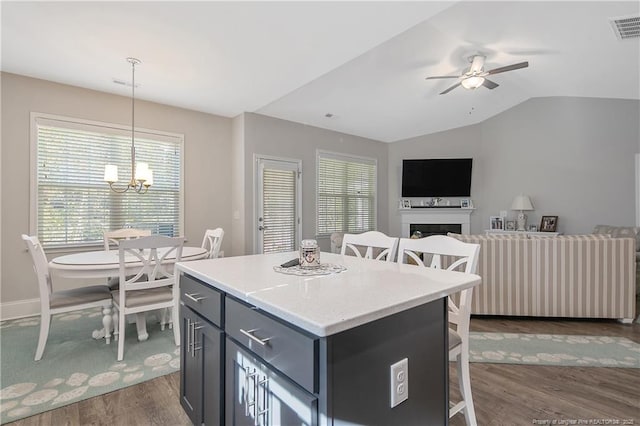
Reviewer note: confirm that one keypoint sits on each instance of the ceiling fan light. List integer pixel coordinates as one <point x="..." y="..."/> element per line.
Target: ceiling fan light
<point x="472" y="82"/>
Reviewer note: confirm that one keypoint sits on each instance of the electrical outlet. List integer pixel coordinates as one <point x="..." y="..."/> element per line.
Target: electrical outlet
<point x="399" y="383"/>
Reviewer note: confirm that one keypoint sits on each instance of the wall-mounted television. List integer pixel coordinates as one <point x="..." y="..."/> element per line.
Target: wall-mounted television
<point x="441" y="177"/>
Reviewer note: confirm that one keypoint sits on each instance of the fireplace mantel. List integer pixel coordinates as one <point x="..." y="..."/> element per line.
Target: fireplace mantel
<point x="436" y="215"/>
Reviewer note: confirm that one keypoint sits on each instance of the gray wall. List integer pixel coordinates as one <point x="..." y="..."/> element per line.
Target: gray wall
<point x="207" y="148"/>
<point x="271" y="136"/>
<point x="573" y="156"/>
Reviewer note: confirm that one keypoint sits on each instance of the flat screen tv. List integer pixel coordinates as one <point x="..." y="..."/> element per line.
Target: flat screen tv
<point x="443" y="177"/>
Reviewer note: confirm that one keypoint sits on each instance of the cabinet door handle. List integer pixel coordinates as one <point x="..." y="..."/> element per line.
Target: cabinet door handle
<point x="195" y="297"/>
<point x="195" y="348"/>
<point x="264" y="410"/>
<point x="192" y="331"/>
<point x="249" y="334"/>
<point x="188" y="336"/>
<point x="247" y="404"/>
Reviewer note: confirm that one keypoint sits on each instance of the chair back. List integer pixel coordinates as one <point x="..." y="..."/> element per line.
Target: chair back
<point x="41" y="267"/>
<point x="368" y="241"/>
<point x="461" y="255"/>
<point x="114" y="237"/>
<point x="212" y="242"/>
<point x="157" y="254"/>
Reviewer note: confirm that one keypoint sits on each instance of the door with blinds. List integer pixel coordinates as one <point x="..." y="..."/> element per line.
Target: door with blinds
<point x="278" y="207"/>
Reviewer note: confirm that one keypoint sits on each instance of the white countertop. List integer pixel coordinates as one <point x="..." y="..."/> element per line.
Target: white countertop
<point x="328" y="304"/>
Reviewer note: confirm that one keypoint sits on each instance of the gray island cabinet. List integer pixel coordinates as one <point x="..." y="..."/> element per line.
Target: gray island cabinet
<point x="265" y="348"/>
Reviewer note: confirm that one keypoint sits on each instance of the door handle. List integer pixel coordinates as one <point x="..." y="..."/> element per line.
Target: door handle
<point x="261" y="228"/>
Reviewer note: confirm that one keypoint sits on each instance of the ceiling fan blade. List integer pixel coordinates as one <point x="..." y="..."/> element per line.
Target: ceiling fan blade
<point x="508" y="68"/>
<point x="442" y="76"/>
<point x="490" y="84"/>
<point x="450" y="88"/>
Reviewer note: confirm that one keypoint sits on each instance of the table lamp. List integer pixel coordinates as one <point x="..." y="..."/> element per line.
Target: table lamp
<point x="522" y="203"/>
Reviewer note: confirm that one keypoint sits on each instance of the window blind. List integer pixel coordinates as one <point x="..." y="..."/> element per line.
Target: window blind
<point x="74" y="204"/>
<point x="346" y="199"/>
<point x="279" y="210"/>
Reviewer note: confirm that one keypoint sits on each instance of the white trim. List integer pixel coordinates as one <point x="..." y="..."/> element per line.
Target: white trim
<point x="37" y="118"/>
<point x="19" y="309"/>
<point x="638" y="189"/>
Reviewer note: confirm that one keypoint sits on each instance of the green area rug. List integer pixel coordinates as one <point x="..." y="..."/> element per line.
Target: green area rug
<point x="74" y="366"/>
<point x="554" y="349"/>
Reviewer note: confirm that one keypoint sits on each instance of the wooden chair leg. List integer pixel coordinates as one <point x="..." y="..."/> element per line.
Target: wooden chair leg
<point x="121" y="326"/>
<point x="115" y="315"/>
<point x="464" y="378"/>
<point x="176" y="327"/>
<point x="45" y="322"/>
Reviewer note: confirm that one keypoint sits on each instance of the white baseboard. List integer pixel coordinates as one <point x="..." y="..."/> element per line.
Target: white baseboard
<point x="19" y="309"/>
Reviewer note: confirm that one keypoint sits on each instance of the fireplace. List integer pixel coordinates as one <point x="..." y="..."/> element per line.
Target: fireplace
<point x="435" y="221"/>
<point x="427" y="229"/>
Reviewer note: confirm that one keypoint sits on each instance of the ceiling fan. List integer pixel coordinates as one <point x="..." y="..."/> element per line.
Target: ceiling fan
<point x="476" y="76"/>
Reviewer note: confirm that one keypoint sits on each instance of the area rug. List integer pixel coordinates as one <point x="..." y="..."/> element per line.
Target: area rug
<point x="74" y="366"/>
<point x="554" y="349"/>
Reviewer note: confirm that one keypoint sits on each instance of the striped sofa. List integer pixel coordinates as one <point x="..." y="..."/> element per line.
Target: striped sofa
<point x="579" y="276"/>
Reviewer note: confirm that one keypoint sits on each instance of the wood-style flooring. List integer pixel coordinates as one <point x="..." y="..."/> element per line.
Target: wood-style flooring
<point x="504" y="394"/>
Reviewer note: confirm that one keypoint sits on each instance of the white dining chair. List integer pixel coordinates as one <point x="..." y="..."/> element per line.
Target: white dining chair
<point x="375" y="245"/>
<point x="114" y="237"/>
<point x="153" y="287"/>
<point x="56" y="302"/>
<point x="212" y="242"/>
<point x="457" y="255"/>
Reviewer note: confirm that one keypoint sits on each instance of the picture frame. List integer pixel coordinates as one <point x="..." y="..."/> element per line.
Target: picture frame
<point x="406" y="204"/>
<point x="510" y="225"/>
<point x="532" y="228"/>
<point x="548" y="223"/>
<point x="496" y="223"/>
<point x="465" y="203"/>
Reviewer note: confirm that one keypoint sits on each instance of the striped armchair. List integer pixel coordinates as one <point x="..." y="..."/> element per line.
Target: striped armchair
<point x="579" y="276"/>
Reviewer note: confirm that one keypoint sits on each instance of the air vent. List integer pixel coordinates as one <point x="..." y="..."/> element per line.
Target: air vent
<point x="627" y="27"/>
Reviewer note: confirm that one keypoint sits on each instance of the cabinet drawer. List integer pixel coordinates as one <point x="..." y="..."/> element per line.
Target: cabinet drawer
<point x="201" y="298"/>
<point x="292" y="352"/>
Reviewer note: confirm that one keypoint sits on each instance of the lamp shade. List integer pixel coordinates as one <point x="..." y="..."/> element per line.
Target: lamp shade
<point x="110" y="173"/>
<point x="522" y="202"/>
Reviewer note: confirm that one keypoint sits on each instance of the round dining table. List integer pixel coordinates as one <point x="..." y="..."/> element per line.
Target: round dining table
<point x="106" y="264"/>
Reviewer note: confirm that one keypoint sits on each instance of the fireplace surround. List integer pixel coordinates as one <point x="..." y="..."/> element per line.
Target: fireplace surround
<point x="439" y="220"/>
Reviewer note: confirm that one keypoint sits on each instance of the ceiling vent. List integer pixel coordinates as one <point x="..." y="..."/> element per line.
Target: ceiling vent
<point x="625" y="28"/>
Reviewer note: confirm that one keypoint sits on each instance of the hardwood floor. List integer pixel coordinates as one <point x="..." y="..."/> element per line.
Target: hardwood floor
<point x="503" y="394"/>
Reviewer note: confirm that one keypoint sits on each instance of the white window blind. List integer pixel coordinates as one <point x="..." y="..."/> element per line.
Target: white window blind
<point x="74" y="204"/>
<point x="346" y="193"/>
<point x="279" y="210"/>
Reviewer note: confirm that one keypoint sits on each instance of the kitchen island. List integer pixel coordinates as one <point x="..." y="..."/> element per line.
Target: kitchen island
<point x="261" y="347"/>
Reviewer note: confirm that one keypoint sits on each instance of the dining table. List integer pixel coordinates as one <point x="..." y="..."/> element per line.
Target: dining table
<point x="106" y="264"/>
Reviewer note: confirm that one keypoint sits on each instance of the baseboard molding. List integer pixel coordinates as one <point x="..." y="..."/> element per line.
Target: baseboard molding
<point x="19" y="309"/>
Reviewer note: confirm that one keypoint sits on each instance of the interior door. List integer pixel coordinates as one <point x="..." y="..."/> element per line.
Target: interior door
<point x="278" y="208"/>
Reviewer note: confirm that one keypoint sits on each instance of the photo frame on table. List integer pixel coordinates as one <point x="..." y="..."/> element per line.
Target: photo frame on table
<point x="510" y="225"/>
<point x="466" y="203"/>
<point x="496" y="223"/>
<point x="548" y="223"/>
<point x="532" y="228"/>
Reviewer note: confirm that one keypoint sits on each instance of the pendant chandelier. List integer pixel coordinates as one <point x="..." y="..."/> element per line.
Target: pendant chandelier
<point x="141" y="175"/>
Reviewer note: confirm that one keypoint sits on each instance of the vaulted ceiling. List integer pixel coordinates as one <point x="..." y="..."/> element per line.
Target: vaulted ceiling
<point x="363" y="63"/>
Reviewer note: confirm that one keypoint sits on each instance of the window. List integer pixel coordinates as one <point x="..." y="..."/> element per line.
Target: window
<point x="346" y="193"/>
<point x="71" y="203"/>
